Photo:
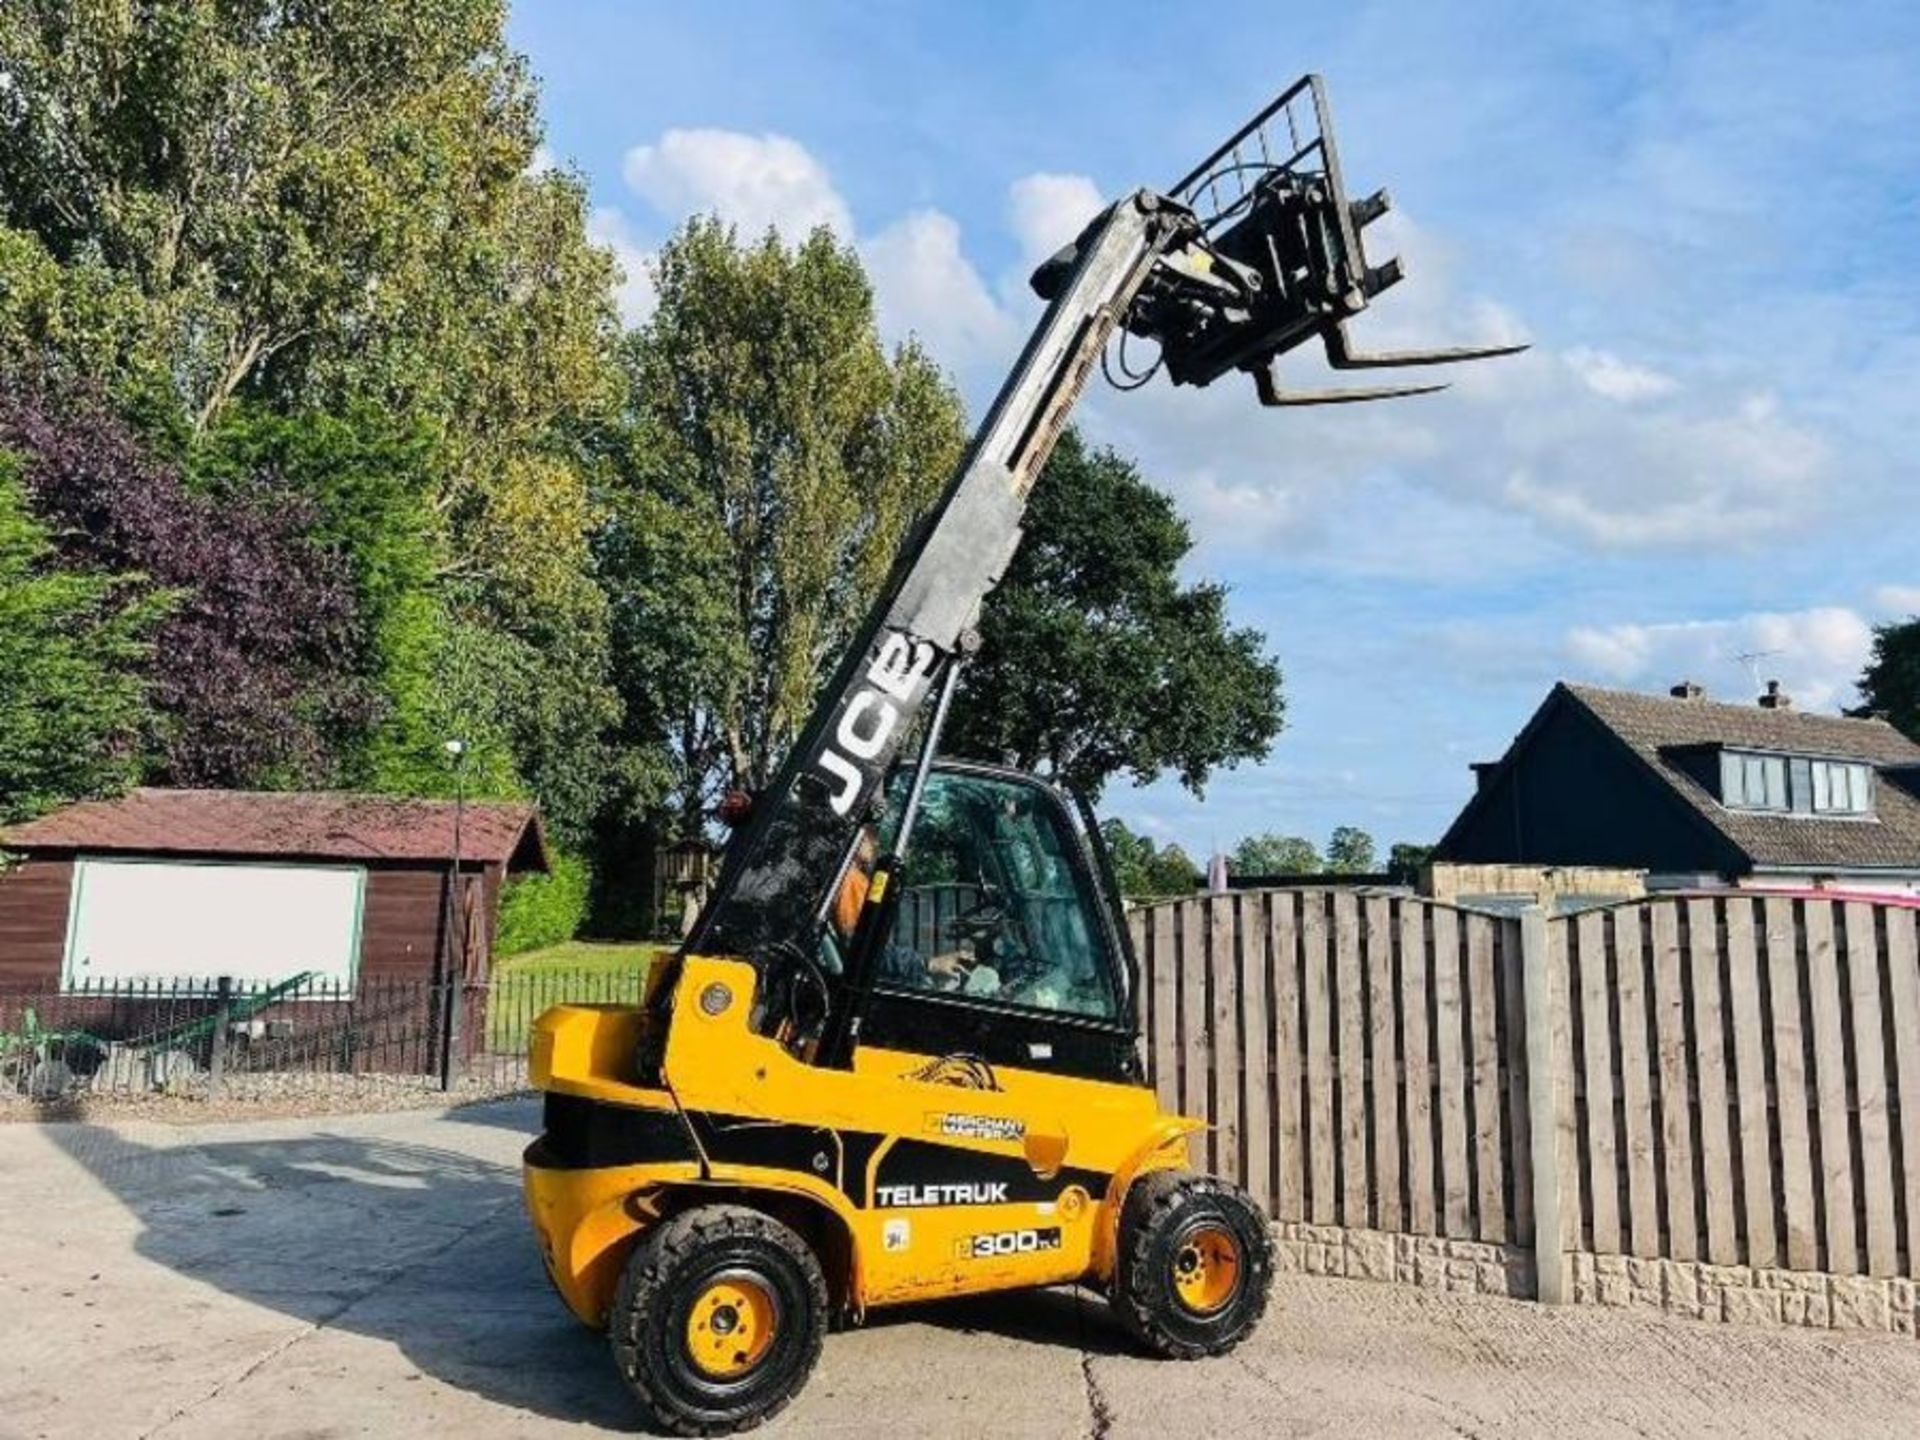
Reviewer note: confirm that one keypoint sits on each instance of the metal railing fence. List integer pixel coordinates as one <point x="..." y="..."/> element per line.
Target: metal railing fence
<point x="218" y="1038"/>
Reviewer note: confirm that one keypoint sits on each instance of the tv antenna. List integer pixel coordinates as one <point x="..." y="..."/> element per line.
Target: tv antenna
<point x="1752" y="658"/>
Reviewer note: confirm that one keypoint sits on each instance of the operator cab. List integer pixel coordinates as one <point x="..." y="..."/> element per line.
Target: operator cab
<point x="997" y="941"/>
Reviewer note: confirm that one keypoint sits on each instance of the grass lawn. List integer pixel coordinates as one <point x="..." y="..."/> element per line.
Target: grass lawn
<point x="584" y="955"/>
<point x="580" y="970"/>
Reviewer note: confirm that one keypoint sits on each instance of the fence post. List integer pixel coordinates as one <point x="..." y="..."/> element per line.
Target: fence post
<point x="443" y="1031"/>
<point x="1547" y="1045"/>
<point x="217" y="1052"/>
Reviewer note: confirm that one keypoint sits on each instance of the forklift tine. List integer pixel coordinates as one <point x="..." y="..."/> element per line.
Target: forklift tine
<point x="1267" y="381"/>
<point x="1342" y="356"/>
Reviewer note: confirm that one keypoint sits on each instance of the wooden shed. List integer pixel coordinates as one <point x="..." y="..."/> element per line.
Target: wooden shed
<point x="164" y="884"/>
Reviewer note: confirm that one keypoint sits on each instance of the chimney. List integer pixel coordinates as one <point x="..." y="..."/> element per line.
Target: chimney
<point x="1775" y="698"/>
<point x="1688" y="690"/>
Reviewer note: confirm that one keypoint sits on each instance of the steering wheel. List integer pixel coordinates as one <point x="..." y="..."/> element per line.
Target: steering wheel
<point x="984" y="921"/>
<point x="996" y="932"/>
<point x="1019" y="970"/>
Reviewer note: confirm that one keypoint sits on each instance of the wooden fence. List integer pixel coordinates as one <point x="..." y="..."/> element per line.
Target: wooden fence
<point x="1746" y="1082"/>
<point x="1733" y="1079"/>
<point x="1359" y="1056"/>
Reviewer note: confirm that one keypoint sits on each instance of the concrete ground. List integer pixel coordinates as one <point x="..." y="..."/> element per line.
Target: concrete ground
<point x="373" y="1275"/>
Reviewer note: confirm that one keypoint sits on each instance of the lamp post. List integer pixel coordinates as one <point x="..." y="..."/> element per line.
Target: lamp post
<point x="456" y="961"/>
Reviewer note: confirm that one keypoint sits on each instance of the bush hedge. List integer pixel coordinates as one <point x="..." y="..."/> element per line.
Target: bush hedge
<point x="541" y="910"/>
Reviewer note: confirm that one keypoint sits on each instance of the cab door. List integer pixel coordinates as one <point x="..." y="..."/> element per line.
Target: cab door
<point x="1002" y="946"/>
<point x="1000" y="1031"/>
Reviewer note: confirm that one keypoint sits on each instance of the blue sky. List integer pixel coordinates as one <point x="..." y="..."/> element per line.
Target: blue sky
<point x="1704" y="217"/>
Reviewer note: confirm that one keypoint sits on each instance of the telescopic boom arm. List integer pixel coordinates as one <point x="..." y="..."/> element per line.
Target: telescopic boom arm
<point x="771" y="887"/>
<point x="1254" y="253"/>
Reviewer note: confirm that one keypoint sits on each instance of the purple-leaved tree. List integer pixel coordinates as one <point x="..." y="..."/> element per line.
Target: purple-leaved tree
<point x="255" y="671"/>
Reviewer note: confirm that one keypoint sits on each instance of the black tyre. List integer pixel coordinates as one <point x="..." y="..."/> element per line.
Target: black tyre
<point x="718" y="1319"/>
<point x="1195" y="1265"/>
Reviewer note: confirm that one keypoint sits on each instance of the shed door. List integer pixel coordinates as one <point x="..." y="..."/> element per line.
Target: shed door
<point x="153" y="920"/>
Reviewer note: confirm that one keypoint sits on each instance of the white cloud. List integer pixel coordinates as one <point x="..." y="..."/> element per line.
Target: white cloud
<point x="1547" y="439"/>
<point x="608" y="227"/>
<point x="1047" y="211"/>
<point x="1816" y="654"/>
<point x="1899" y="600"/>
<point x="1391" y="530"/>
<point x="1609" y="375"/>
<point x="1720" y="472"/>
<point x="540" y="162"/>
<point x="1219" y="505"/>
<point x="1151" y="823"/>
<point x="752" y="181"/>
<point x="1615" y="652"/>
<point x="1577" y="443"/>
<point x="924" y="285"/>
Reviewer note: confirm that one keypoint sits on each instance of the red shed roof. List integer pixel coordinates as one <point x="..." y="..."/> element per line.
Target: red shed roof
<point x="314" y="825"/>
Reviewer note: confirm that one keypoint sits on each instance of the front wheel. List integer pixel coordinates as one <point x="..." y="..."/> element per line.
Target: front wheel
<point x="718" y="1319"/>
<point x="1195" y="1265"/>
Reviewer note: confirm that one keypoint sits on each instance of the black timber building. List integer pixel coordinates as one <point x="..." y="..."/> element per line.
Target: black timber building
<point x="1700" y="793"/>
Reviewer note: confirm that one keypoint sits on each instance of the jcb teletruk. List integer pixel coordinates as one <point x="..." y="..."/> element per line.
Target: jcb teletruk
<point x="897" y="1057"/>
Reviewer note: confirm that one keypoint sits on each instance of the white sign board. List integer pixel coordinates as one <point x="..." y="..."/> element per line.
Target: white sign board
<point x="138" y="920"/>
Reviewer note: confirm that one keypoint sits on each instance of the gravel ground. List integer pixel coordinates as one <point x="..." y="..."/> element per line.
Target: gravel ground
<point x="373" y="1275"/>
<point x="265" y="1097"/>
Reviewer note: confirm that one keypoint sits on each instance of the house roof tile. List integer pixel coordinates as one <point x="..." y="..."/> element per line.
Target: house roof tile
<point x="312" y="825"/>
<point x="1656" y="725"/>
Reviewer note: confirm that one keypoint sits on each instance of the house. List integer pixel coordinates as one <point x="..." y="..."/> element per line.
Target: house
<point x="175" y="884"/>
<point x="1698" y="793"/>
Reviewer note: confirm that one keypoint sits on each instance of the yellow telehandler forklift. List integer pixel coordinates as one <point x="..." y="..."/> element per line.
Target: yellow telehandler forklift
<point x="897" y="1058"/>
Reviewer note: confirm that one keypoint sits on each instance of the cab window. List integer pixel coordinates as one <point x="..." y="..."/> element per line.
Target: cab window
<point x="994" y="906"/>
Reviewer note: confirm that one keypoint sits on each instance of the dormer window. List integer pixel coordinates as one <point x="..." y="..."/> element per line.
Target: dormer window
<point x="1841" y="788"/>
<point x="1795" y="783"/>
<point x="1753" y="782"/>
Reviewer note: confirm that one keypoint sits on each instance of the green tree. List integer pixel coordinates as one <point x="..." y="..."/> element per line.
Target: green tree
<point x="1350" y="851"/>
<point x="1890" y="685"/>
<point x="73" y="707"/>
<point x="1273" y="854"/>
<point x="428" y="643"/>
<point x="1172" y="872"/>
<point x="1096" y="660"/>
<point x="679" y="654"/>
<point x="81" y="322"/>
<point x="370" y="481"/>
<point x="310" y="198"/>
<point x="223" y="209"/>
<point x="1131" y="856"/>
<point x="1143" y="870"/>
<point x="777" y="454"/>
<point x="253" y="673"/>
<point x="1404" y="860"/>
<point x="541" y="910"/>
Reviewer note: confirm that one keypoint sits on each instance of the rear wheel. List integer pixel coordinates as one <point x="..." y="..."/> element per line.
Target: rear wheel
<point x="1195" y="1265"/>
<point x="718" y="1319"/>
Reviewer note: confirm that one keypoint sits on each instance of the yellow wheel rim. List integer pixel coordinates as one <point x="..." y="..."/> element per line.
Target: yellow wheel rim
<point x="1206" y="1269"/>
<point x="732" y="1325"/>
